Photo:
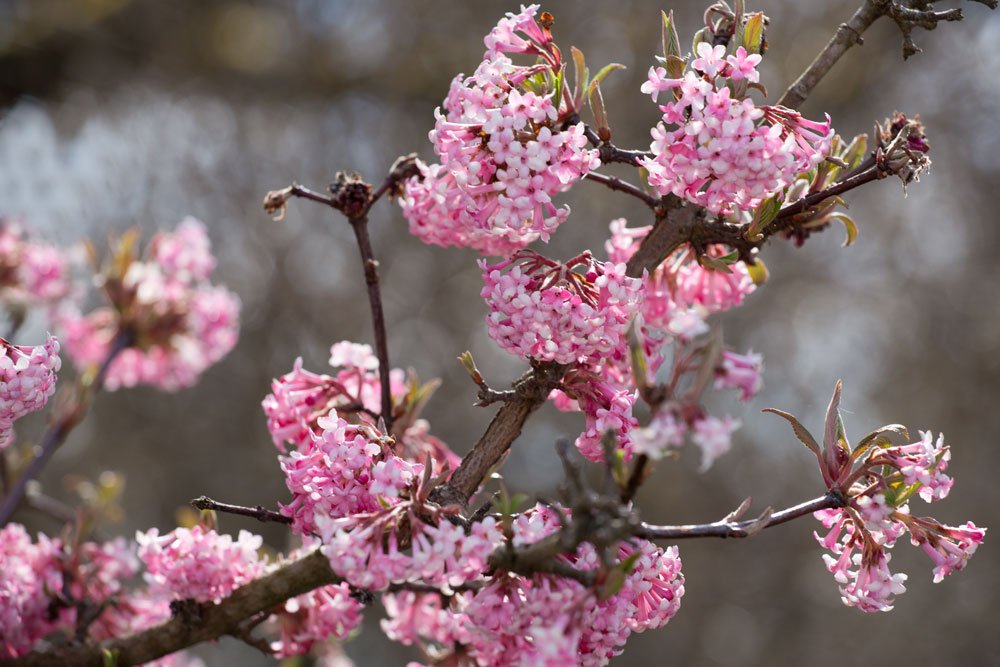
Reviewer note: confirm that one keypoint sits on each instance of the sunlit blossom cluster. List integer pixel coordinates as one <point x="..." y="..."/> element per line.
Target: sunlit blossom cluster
<point x="504" y="151"/>
<point x="27" y="380"/>
<point x="177" y="324"/>
<point x="310" y="619"/>
<point x="726" y="153"/>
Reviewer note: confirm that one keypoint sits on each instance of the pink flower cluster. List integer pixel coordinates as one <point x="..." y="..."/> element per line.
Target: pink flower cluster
<point x="198" y="563"/>
<point x="860" y="534"/>
<point x="300" y="398"/>
<point x="343" y="470"/>
<point x="29" y="573"/>
<point x="31" y="272"/>
<point x="546" y="620"/>
<point x="321" y="614"/>
<point x="364" y="549"/>
<point x="725" y="153"/>
<point x="550" y="312"/>
<point x="27" y="380"/>
<point x="179" y="323"/>
<point x="607" y="408"/>
<point x="741" y="372"/>
<point x="504" y="151"/>
<point x="680" y="293"/>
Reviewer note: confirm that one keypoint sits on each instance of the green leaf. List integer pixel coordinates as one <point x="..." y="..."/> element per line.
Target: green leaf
<point x="600" y="113"/>
<point x="890" y="435"/>
<point x="833" y="422"/>
<point x="849" y="225"/>
<point x="607" y="69"/>
<point x="671" y="42"/>
<point x="856" y="151"/>
<point x="739" y="10"/>
<point x="613" y="582"/>
<point x="720" y="263"/>
<point x="753" y="33"/>
<point x="557" y="95"/>
<point x="804" y="436"/>
<point x="580" y="70"/>
<point x="762" y="217"/>
<point x="109" y="657"/>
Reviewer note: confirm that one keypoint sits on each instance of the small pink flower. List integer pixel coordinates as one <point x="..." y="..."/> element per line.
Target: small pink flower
<point x="744" y="66"/>
<point x="714" y="437"/>
<point x="740" y="371"/>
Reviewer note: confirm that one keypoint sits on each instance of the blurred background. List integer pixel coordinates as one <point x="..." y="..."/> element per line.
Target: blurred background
<point x="116" y="113"/>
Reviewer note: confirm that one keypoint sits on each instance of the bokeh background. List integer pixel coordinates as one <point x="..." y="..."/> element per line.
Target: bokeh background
<point x="116" y="113"/>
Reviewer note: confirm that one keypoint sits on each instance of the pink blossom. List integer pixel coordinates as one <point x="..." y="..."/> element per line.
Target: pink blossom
<point x="29" y="574"/>
<point x="923" y="463"/>
<point x="179" y="323"/>
<point x="726" y="154"/>
<point x="710" y="60"/>
<point x="714" y="437"/>
<point x="950" y="548"/>
<point x="743" y="66"/>
<point x="198" y="563"/>
<point x="414" y="618"/>
<point x="548" y="311"/>
<point x="304" y="621"/>
<point x="664" y="432"/>
<point x="27" y="380"/>
<point x="185" y="253"/>
<point x="740" y="371"/>
<point x="333" y="473"/>
<point x="300" y="398"/>
<point x="31" y="272"/>
<point x="504" y="152"/>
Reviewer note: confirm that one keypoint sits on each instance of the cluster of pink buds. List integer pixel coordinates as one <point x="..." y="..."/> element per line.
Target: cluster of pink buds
<point x="174" y="323"/>
<point x="31" y="272"/>
<point x="342" y="470"/>
<point x="549" y="311"/>
<point x="875" y="481"/>
<point x="504" y="149"/>
<point x="198" y="563"/>
<point x="27" y="380"/>
<point x="725" y="153"/>
<point x="546" y="619"/>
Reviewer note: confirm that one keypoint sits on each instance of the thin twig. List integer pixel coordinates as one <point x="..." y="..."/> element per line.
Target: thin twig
<point x="61" y="428"/>
<point x="258" y="512"/>
<point x="620" y="185"/>
<point x="739" y="528"/>
<point x="871" y="174"/>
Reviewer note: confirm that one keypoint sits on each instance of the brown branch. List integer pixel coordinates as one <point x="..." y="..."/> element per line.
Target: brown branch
<point x="868" y="175"/>
<point x="258" y="512"/>
<point x="57" y="433"/>
<point x="620" y="185"/>
<point x="740" y="528"/>
<point x="213" y="620"/>
<point x="847" y="35"/>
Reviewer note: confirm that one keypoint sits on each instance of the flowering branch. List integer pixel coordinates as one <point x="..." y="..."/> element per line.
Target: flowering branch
<point x="258" y="512"/>
<point x="204" y="622"/>
<point x="60" y="429"/>
<point x="729" y="528"/>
